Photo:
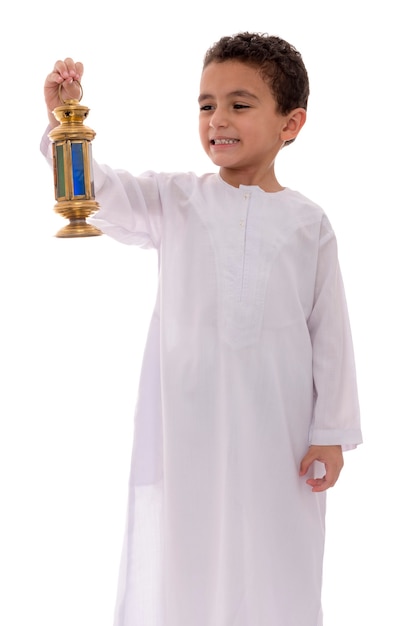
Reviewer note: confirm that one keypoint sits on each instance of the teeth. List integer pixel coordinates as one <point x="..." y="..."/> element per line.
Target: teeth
<point x="216" y="142"/>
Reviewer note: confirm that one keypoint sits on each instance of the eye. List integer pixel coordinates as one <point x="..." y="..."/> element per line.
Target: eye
<point x="207" y="107"/>
<point x="241" y="106"/>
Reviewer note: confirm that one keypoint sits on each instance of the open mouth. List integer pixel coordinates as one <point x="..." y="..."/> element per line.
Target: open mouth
<point x="223" y="142"/>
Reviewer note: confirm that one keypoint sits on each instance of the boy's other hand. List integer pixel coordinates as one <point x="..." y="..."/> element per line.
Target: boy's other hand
<point x="331" y="457"/>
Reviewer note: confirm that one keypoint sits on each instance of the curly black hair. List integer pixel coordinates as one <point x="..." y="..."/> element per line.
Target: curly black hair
<point x="279" y="63"/>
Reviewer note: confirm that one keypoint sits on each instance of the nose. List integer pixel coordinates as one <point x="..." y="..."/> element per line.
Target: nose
<point x="219" y="118"/>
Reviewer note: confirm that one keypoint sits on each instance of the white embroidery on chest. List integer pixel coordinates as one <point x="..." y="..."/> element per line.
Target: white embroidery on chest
<point x="244" y="261"/>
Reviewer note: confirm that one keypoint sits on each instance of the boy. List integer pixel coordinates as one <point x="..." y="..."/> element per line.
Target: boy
<point x="248" y="380"/>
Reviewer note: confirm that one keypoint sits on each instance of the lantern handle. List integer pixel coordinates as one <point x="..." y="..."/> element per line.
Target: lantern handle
<point x="60" y="89"/>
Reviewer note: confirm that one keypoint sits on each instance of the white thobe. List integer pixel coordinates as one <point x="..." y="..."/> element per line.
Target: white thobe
<point x="249" y="360"/>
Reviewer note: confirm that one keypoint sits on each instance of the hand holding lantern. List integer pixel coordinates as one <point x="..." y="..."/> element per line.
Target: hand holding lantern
<point x="73" y="169"/>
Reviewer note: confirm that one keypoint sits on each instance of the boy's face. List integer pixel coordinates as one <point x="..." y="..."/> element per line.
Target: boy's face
<point x="239" y="125"/>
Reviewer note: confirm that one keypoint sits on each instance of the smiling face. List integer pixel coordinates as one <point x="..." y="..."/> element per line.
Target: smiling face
<point x="239" y="125"/>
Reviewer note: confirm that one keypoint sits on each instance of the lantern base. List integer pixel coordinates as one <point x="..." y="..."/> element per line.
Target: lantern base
<point x="76" y="212"/>
<point x="78" y="228"/>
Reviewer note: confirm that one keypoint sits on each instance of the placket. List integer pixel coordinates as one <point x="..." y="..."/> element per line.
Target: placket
<point x="241" y="289"/>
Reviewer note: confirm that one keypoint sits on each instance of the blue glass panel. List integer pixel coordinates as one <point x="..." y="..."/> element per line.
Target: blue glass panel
<point x="78" y="169"/>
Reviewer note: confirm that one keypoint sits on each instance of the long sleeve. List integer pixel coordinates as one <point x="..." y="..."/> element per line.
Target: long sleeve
<point x="130" y="207"/>
<point x="336" y="413"/>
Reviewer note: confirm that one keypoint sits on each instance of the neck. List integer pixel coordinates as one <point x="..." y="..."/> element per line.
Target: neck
<point x="266" y="181"/>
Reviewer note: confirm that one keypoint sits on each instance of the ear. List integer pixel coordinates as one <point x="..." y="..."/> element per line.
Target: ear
<point x="293" y="124"/>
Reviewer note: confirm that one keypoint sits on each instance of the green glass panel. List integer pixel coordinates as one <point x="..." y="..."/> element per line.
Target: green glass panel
<point x="59" y="151"/>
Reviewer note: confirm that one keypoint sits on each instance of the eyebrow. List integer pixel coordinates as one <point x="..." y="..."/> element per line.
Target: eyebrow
<point x="241" y="93"/>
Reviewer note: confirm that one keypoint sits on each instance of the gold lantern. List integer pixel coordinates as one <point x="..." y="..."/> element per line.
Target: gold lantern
<point x="73" y="169"/>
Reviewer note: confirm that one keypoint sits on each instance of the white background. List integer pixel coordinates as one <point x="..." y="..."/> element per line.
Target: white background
<point x="74" y="313"/>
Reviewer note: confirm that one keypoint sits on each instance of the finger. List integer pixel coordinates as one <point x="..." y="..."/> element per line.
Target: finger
<point x="66" y="70"/>
<point x="327" y="481"/>
<point x="305" y="464"/>
<point x="79" y="68"/>
<point x="53" y="79"/>
<point x="318" y="484"/>
<point x="74" y="69"/>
